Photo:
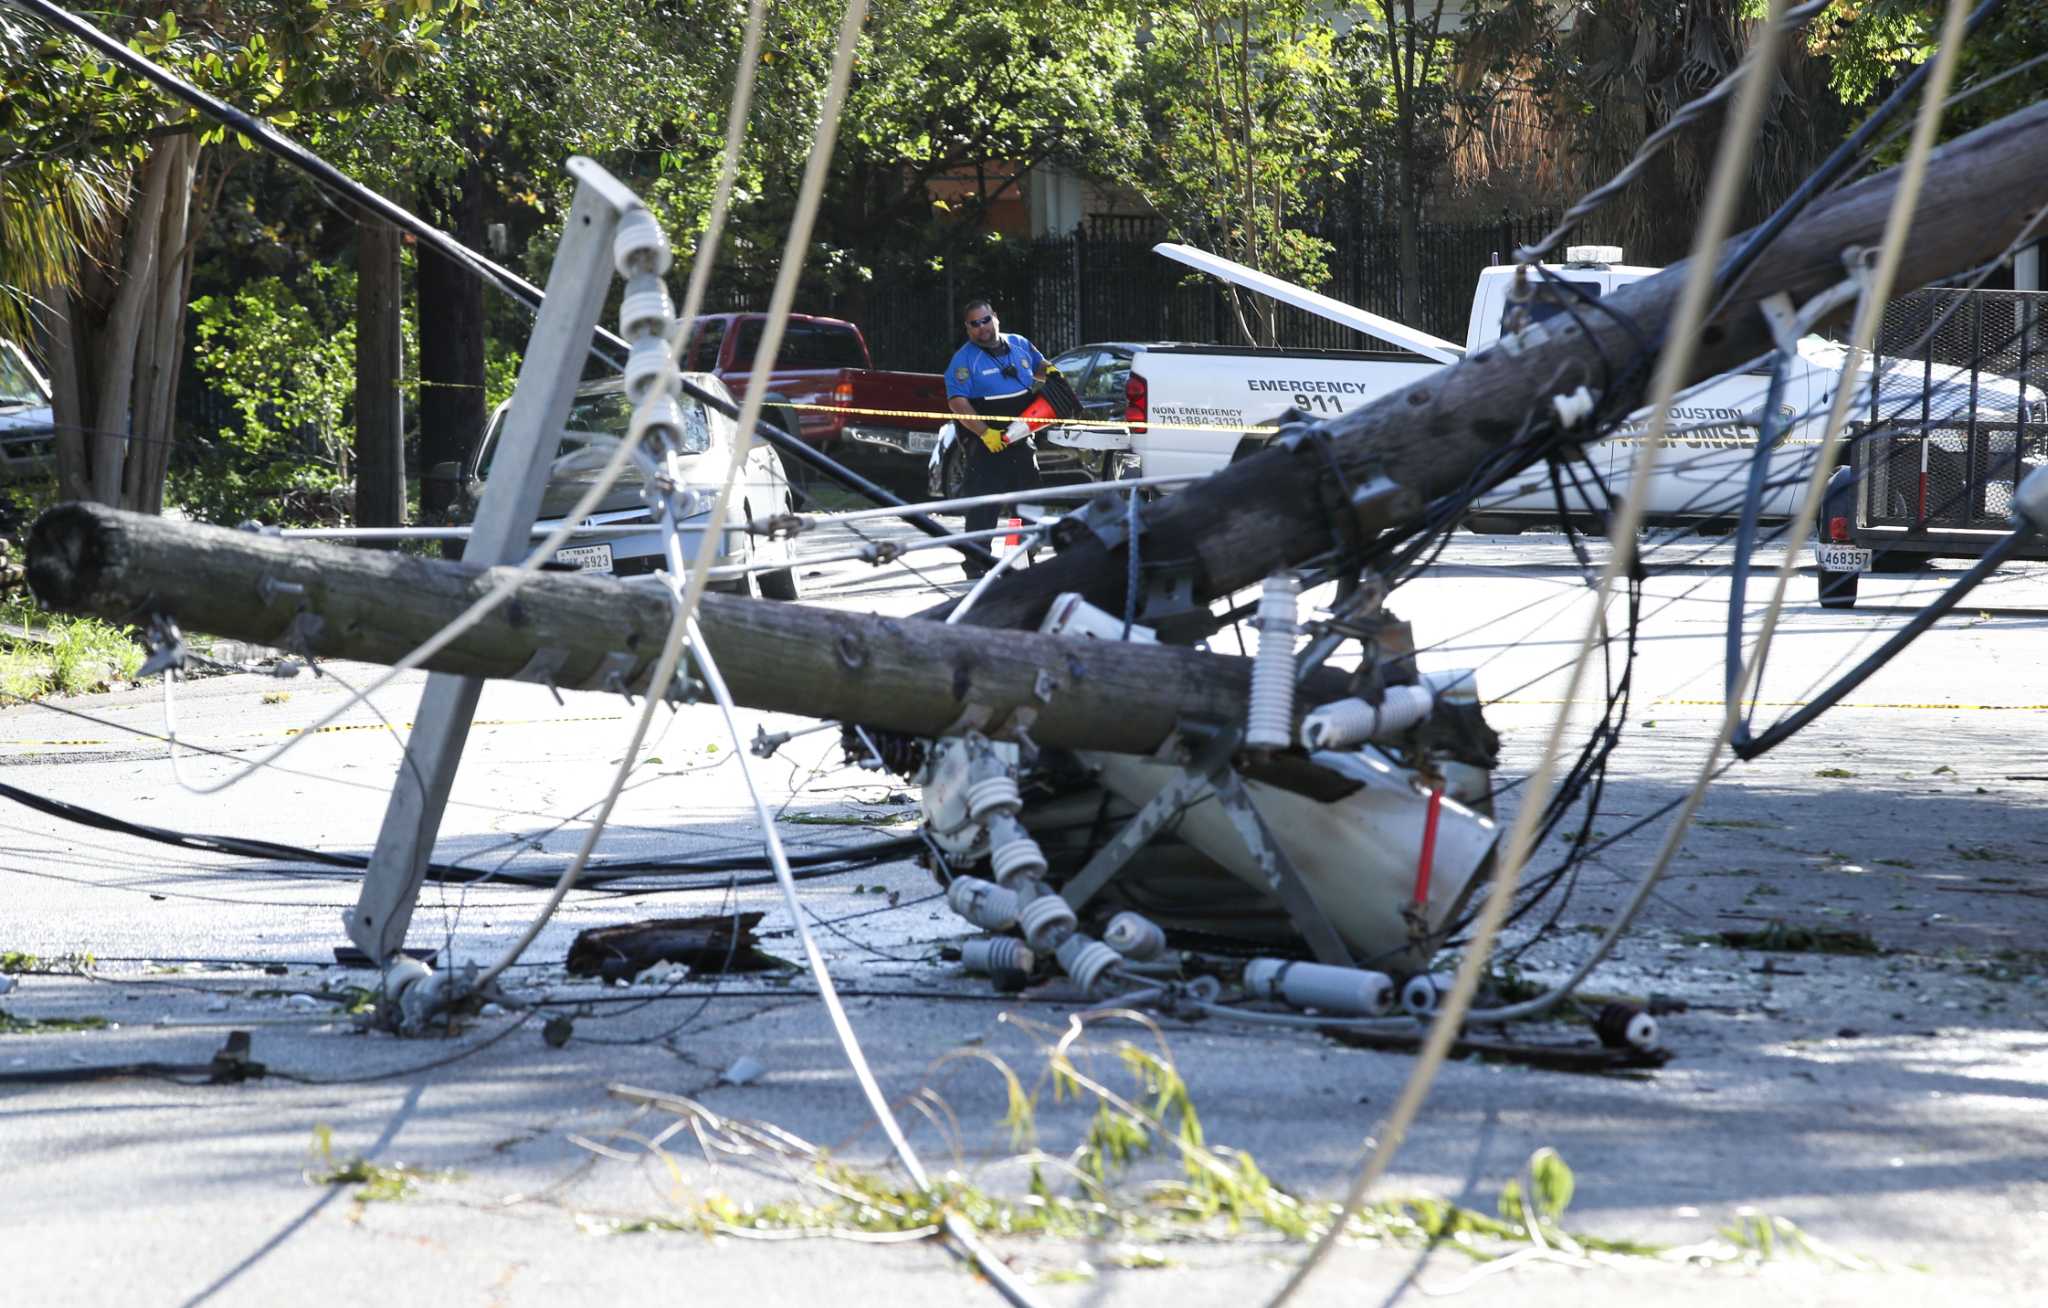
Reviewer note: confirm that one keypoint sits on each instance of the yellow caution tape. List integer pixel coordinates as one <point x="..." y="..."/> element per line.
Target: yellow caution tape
<point x="1037" y="423"/>
<point x="481" y="722"/>
<point x="1678" y="438"/>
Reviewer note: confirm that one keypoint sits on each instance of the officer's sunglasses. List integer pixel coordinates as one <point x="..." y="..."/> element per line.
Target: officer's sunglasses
<point x="982" y="321"/>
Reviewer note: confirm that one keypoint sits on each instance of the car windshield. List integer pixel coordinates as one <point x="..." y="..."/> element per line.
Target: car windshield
<point x="804" y="345"/>
<point x="17" y="383"/>
<point x="604" y="414"/>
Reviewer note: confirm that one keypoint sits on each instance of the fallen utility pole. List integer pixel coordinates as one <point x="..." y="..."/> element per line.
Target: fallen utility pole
<point x="1277" y="509"/>
<point x="576" y="630"/>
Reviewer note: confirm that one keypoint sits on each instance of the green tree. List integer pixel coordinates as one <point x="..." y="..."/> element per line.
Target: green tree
<point x="1241" y="106"/>
<point x="1870" y="45"/>
<point x="113" y="324"/>
<point x="480" y="137"/>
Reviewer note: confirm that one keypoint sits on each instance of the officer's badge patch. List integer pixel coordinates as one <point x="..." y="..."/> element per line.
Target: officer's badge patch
<point x="960" y="373"/>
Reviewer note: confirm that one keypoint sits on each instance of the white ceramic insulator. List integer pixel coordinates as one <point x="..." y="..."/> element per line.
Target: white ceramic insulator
<point x="404" y="973"/>
<point x="649" y="368"/>
<point x="989" y="955"/>
<point x="1572" y="409"/>
<point x="1642" y="1031"/>
<point x="996" y="794"/>
<point x="1346" y="722"/>
<point x="646" y="309"/>
<point x="657" y="420"/>
<point x="1270" y="724"/>
<point x="1349" y="990"/>
<point x="1086" y="960"/>
<point x="1046" y="921"/>
<point x="1135" y="936"/>
<point x="983" y="903"/>
<point x="640" y="245"/>
<point x="1017" y="858"/>
<point x="1424" y="991"/>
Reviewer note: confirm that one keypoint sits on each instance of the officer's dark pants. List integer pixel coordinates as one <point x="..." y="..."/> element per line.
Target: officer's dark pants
<point x="996" y="474"/>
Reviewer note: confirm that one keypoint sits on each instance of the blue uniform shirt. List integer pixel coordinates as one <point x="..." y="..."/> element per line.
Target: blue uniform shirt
<point x="976" y="374"/>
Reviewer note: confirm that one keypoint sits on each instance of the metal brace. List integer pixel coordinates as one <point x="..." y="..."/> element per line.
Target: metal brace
<point x="1186" y="784"/>
<point x="1281" y="877"/>
<point x="1789" y="324"/>
<point x="1210" y="768"/>
<point x="1107" y="517"/>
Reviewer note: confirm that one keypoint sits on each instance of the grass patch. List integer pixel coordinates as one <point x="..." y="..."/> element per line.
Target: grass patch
<point x="1784" y="938"/>
<point x="377" y="1182"/>
<point x="13" y="1025"/>
<point x="15" y="963"/>
<point x="53" y="653"/>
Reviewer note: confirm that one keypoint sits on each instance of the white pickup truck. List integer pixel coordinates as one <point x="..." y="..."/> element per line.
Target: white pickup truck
<point x="1187" y="405"/>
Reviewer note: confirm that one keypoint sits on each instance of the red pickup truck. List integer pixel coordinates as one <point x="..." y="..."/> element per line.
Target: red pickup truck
<point x="823" y="362"/>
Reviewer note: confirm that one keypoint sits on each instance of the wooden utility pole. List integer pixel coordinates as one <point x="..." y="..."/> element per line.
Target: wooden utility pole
<point x="1268" y="512"/>
<point x="598" y="633"/>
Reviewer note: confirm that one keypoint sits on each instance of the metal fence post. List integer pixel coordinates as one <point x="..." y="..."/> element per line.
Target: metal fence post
<point x="540" y="406"/>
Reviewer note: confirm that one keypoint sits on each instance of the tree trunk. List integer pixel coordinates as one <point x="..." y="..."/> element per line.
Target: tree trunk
<point x="379" y="407"/>
<point x="161" y="347"/>
<point x="68" y="384"/>
<point x="112" y="421"/>
<point x="451" y="318"/>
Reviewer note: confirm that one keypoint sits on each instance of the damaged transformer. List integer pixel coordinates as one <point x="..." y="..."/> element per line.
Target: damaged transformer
<point x="1356" y="830"/>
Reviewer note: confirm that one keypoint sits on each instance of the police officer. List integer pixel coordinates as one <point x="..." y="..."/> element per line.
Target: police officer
<point x="989" y="382"/>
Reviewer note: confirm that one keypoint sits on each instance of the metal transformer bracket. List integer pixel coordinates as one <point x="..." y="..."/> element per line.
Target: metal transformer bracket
<point x="1209" y="768"/>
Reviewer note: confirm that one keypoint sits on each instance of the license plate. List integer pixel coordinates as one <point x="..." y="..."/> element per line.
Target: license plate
<point x="922" y="442"/>
<point x="1841" y="558"/>
<point x="586" y="558"/>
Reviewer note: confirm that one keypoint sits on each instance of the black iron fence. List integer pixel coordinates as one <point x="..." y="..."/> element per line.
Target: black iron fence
<point x="1104" y="283"/>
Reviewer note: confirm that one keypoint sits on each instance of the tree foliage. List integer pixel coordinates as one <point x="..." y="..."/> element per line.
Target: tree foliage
<point x="1243" y="111"/>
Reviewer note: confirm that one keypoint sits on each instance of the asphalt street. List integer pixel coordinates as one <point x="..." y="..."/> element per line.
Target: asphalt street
<point x="1887" y="1103"/>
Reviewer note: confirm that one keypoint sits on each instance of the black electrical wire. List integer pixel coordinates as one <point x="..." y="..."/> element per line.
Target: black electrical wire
<point x="1994" y="558"/>
<point x="820" y="862"/>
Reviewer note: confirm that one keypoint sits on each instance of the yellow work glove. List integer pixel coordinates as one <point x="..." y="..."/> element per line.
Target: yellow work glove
<point x="992" y="438"/>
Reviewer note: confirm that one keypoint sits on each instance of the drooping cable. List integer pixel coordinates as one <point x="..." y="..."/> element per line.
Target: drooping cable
<point x="1911" y="174"/>
<point x="1723" y="192"/>
<point x="956" y="1226"/>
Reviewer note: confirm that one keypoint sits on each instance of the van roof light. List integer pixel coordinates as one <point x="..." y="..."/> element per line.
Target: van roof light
<point x="1592" y="254"/>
